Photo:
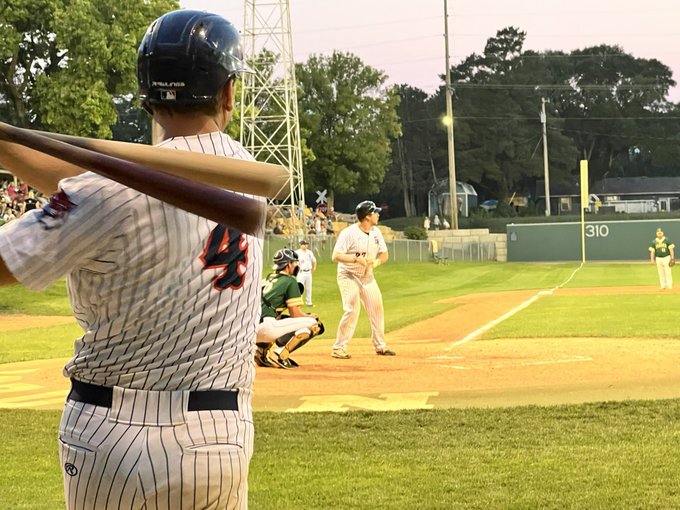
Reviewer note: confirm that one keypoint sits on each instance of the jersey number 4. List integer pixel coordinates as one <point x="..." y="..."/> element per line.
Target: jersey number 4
<point x="226" y="249"/>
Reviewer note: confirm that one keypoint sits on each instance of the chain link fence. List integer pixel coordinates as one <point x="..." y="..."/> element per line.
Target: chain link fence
<point x="400" y="250"/>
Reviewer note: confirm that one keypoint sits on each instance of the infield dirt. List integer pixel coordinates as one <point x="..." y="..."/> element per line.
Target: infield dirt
<point x="428" y="371"/>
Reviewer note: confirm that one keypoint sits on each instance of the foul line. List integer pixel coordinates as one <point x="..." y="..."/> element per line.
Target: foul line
<point x="512" y="312"/>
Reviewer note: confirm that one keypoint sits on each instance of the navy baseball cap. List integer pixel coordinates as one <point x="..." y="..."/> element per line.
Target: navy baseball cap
<point x="303" y="242"/>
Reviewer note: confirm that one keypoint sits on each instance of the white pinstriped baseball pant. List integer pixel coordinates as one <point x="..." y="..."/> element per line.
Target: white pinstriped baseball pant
<point x="270" y="328"/>
<point x="305" y="278"/>
<point x="148" y="451"/>
<point x="353" y="293"/>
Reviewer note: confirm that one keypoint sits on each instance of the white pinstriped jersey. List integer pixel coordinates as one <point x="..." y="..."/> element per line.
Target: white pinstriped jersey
<point x="354" y="241"/>
<point x="167" y="300"/>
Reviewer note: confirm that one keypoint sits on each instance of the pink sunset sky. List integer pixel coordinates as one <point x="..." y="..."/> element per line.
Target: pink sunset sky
<point x="405" y="38"/>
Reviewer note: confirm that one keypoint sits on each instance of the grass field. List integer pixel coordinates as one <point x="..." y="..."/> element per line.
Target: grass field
<point x="592" y="456"/>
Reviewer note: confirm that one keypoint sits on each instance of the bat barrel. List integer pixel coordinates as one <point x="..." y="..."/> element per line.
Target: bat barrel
<point x="228" y="208"/>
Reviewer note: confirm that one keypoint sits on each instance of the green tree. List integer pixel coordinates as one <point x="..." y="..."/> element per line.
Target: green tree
<point x="347" y="117"/>
<point x="413" y="170"/>
<point x="497" y="126"/>
<point x="617" y="112"/>
<point x="62" y="62"/>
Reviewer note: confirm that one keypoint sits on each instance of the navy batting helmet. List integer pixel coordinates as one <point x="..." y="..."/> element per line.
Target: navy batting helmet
<point x="283" y="257"/>
<point x="365" y="208"/>
<point x="186" y="58"/>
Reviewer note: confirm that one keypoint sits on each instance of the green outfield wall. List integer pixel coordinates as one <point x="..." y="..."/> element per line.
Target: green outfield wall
<point x="605" y="240"/>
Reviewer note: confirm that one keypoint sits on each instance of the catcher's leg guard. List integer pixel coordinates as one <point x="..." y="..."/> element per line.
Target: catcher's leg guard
<point x="273" y="356"/>
<point x="262" y="355"/>
<point x="300" y="338"/>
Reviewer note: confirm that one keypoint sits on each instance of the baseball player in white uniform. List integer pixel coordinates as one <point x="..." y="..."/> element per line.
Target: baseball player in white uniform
<point x="159" y="413"/>
<point x="307" y="265"/>
<point x="360" y="249"/>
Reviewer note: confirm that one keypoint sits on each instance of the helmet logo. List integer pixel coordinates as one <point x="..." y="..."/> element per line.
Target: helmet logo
<point x="168" y="95"/>
<point x="169" y="84"/>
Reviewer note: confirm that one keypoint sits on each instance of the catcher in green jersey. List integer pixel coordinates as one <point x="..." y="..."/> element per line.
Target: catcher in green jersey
<point x="662" y="253"/>
<point x="283" y="327"/>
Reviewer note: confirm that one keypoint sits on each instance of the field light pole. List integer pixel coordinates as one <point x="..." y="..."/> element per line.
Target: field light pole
<point x="546" y="171"/>
<point x="449" y="125"/>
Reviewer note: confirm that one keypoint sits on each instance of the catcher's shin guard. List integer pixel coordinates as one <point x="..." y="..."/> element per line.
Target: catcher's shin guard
<point x="262" y="355"/>
<point x="299" y="338"/>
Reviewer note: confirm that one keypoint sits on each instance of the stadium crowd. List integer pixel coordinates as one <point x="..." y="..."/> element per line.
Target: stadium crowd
<point x="16" y="198"/>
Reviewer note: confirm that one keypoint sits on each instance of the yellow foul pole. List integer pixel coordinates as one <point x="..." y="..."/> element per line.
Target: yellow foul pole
<point x="584" y="203"/>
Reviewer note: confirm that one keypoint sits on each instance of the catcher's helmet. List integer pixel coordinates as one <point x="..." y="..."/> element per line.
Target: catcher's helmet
<point x="186" y="58"/>
<point x="365" y="208"/>
<point x="283" y="257"/>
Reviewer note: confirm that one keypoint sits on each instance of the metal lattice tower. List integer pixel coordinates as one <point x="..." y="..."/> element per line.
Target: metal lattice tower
<point x="270" y="127"/>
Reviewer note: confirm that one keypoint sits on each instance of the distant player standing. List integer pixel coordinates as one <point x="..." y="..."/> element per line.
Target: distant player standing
<point x="159" y="413"/>
<point x="307" y="264"/>
<point x="662" y="252"/>
<point x="360" y="248"/>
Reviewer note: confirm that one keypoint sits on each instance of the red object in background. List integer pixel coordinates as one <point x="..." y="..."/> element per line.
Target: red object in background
<point x="17" y="192"/>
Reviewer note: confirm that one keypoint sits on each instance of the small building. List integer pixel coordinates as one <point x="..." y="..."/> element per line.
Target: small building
<point x="618" y="194"/>
<point x="439" y="198"/>
<point x="639" y="194"/>
<point x="565" y="197"/>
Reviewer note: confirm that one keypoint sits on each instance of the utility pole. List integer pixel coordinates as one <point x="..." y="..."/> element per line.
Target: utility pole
<point x="449" y="125"/>
<point x="546" y="171"/>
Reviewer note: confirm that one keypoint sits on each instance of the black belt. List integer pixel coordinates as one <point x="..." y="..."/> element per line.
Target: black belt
<point x="210" y="400"/>
<point x="305" y="270"/>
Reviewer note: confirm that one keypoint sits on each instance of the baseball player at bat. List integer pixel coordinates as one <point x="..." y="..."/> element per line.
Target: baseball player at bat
<point x="284" y="328"/>
<point x="159" y="413"/>
<point x="360" y="249"/>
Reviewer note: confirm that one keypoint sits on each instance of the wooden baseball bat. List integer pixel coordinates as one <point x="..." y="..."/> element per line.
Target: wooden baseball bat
<point x="253" y="177"/>
<point x="225" y="207"/>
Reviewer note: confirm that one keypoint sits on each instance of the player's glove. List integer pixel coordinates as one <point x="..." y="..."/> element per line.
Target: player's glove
<point x="671" y="263"/>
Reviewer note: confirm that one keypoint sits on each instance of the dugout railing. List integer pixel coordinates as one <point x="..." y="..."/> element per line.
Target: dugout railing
<point x="400" y="250"/>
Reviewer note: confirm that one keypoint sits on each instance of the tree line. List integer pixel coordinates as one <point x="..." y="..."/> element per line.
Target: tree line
<point x="71" y="67"/>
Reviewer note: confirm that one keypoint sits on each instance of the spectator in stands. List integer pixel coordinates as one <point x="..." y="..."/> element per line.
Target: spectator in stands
<point x="18" y="191"/>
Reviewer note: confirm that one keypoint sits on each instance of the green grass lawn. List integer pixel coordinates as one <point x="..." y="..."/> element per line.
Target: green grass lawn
<point x="624" y="315"/>
<point x="593" y="456"/>
<point x="411" y="292"/>
<point x="18" y="299"/>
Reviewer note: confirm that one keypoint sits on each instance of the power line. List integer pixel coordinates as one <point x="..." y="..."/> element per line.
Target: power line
<point x="366" y="25"/>
<point x="610" y="135"/>
<point x="525" y="118"/>
<point x="547" y="86"/>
